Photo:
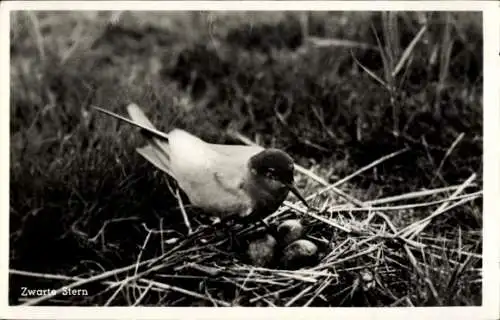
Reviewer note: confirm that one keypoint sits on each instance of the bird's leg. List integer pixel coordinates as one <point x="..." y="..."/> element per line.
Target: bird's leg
<point x="225" y="226"/>
<point x="265" y="224"/>
<point x="233" y="238"/>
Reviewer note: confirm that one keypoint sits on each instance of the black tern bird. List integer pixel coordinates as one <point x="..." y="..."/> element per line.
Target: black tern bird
<point x="223" y="180"/>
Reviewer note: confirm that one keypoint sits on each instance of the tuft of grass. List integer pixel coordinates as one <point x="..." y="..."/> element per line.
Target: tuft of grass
<point x="341" y="95"/>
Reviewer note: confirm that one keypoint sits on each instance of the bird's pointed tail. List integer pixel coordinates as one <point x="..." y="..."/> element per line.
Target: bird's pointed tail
<point x="156" y="150"/>
<point x="139" y="120"/>
<point x="137" y="115"/>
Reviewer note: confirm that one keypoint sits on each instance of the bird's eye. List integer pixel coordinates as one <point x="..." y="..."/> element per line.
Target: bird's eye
<point x="270" y="173"/>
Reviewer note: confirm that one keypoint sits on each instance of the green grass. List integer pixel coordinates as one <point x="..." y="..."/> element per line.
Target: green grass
<point x="73" y="171"/>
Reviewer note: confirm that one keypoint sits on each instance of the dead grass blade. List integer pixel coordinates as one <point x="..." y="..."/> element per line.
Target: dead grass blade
<point x="406" y="54"/>
<point x="183" y="211"/>
<point x="412" y="195"/>
<point x="447" y="154"/>
<point x="328" y="222"/>
<point x="371" y="73"/>
<point x="357" y="172"/>
<point x="298" y="296"/>
<point x="115" y="294"/>
<point x="469" y="196"/>
<point x="457" y="272"/>
<point x="183" y="291"/>
<point x="323" y="286"/>
<point x="386" y="63"/>
<point x="43" y="275"/>
<point x="332" y="42"/>
<point x="143" y="294"/>
<point x="418" y="226"/>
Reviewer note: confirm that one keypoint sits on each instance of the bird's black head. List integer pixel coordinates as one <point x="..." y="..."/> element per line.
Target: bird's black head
<point x="273" y="169"/>
<point x="273" y="164"/>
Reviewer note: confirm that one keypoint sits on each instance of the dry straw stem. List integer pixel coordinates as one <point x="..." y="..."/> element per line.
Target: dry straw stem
<point x="276" y="292"/>
<point x="415" y="228"/>
<point x="115" y="294"/>
<point x="448" y="152"/>
<point x="183" y="291"/>
<point x="461" y="252"/>
<point x="143" y="294"/>
<point x="417" y="268"/>
<point x="412" y="195"/>
<point x="183" y="211"/>
<point x="106" y="223"/>
<point x="307" y="272"/>
<point x="43" y="275"/>
<point x="469" y="197"/>
<point x="332" y="42"/>
<point x="140" y="252"/>
<point x="322" y="287"/>
<point x="298" y="296"/>
<point x="357" y="172"/>
<point x="111" y="284"/>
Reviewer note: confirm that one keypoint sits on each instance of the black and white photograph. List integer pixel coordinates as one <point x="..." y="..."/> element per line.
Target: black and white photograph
<point x="243" y="158"/>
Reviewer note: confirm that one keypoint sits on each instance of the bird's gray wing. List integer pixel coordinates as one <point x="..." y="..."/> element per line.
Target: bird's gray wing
<point x="230" y="172"/>
<point x="152" y="154"/>
<point x="240" y="153"/>
<point x="231" y="169"/>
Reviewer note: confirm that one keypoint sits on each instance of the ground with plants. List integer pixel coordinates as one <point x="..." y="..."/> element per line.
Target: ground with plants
<point x="336" y="90"/>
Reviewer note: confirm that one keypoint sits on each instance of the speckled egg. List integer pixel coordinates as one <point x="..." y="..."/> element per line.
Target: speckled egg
<point x="289" y="231"/>
<point x="299" y="254"/>
<point x="261" y="251"/>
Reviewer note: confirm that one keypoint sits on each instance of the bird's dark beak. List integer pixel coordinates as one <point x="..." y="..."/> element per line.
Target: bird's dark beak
<point x="296" y="192"/>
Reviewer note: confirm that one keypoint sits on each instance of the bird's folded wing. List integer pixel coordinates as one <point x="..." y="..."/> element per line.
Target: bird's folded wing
<point x="231" y="167"/>
<point x="242" y="152"/>
<point x="156" y="157"/>
<point x="157" y="150"/>
<point x="229" y="182"/>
